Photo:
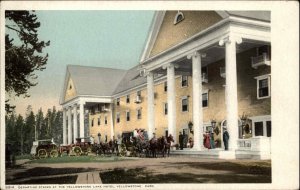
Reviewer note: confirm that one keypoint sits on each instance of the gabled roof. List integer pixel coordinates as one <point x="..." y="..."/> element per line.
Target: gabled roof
<point x="159" y="17"/>
<point x="97" y="81"/>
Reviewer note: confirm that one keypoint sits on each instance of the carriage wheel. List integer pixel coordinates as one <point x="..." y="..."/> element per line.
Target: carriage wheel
<point x="42" y="153"/>
<point x="77" y="150"/>
<point x="54" y="153"/>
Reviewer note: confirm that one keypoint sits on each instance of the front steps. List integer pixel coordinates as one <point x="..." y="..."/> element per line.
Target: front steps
<point x="221" y="154"/>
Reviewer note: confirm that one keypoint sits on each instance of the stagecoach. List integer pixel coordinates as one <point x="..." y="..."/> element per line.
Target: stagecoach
<point x="44" y="148"/>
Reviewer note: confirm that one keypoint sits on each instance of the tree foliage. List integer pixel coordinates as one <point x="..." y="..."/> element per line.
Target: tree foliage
<point x="24" y="55"/>
<point x="20" y="132"/>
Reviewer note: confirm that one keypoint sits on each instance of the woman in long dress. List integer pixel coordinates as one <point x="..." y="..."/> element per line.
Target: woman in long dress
<point x="207" y="140"/>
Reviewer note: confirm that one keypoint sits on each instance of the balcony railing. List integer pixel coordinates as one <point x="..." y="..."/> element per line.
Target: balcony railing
<point x="244" y="144"/>
<point x="263" y="59"/>
<point x="222" y="72"/>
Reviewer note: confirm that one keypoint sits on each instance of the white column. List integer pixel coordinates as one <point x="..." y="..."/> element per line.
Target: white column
<point x="150" y="93"/>
<point x="231" y="90"/>
<point x="197" y="101"/>
<point x="112" y="133"/>
<point x="81" y="119"/>
<point x="171" y="94"/>
<point x="75" y="131"/>
<point x="64" y="126"/>
<point x="69" y="126"/>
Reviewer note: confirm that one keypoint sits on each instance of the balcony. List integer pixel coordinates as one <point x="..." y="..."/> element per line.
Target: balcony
<point x="138" y="99"/>
<point x="204" y="78"/>
<point x="260" y="60"/>
<point x="222" y="72"/>
<point x="104" y="109"/>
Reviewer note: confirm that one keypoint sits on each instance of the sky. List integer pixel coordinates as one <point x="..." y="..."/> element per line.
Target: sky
<point x="113" y="39"/>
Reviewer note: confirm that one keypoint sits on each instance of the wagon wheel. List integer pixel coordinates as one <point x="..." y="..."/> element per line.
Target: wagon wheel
<point x="54" y="153"/>
<point x="123" y="150"/>
<point x="42" y="153"/>
<point x="77" y="150"/>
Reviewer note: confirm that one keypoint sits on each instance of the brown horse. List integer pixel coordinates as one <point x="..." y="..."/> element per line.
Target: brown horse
<point x="158" y="145"/>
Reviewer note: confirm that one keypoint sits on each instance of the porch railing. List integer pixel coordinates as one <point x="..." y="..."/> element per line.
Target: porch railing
<point x="244" y="144"/>
<point x="263" y="59"/>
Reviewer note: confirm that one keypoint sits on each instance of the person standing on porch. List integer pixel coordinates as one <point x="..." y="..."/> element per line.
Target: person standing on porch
<point x="225" y="138"/>
<point x="207" y="140"/>
<point x="181" y="141"/>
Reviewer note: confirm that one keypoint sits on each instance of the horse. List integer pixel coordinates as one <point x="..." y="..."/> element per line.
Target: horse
<point x="143" y="147"/>
<point x="158" y="145"/>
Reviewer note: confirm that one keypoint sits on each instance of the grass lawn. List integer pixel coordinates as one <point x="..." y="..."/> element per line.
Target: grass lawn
<point x="76" y="159"/>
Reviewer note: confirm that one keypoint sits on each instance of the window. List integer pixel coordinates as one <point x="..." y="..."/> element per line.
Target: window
<point x="92" y="122"/>
<point x="166" y="108"/>
<point x="127" y="116"/>
<point x="262" y="125"/>
<point x="205" y="99"/>
<point x="185" y="104"/>
<point x="204" y="74"/>
<point x="138" y="93"/>
<point x="118" y="101"/>
<point x="139" y="113"/>
<point x="70" y="87"/>
<point x="99" y="119"/>
<point x="263" y="86"/>
<point x="105" y="120"/>
<point x="165" y="86"/>
<point x="184" y="81"/>
<point x="118" y="117"/>
<point x="128" y="99"/>
<point x="178" y="17"/>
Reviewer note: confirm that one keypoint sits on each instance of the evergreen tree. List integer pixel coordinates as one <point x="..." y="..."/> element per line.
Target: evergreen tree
<point x="23" y="56"/>
<point x="57" y="131"/>
<point x="19" y="130"/>
<point x="40" y="124"/>
<point x="29" y="129"/>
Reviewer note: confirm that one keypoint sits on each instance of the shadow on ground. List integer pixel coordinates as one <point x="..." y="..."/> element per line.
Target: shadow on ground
<point x="46" y="175"/>
<point x="235" y="173"/>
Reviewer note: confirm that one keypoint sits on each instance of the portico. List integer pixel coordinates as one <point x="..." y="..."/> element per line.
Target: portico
<point x="222" y="40"/>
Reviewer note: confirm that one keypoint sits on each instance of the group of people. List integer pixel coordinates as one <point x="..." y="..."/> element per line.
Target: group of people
<point x="208" y="140"/>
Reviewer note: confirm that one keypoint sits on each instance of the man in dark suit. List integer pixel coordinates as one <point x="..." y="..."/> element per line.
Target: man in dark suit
<point x="181" y="141"/>
<point x="225" y="138"/>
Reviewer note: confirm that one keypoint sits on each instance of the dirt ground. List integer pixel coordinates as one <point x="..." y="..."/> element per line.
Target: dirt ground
<point x="152" y="170"/>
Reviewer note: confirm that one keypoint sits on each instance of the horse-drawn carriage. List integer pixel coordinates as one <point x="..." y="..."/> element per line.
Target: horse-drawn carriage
<point x="82" y="146"/>
<point x="44" y="148"/>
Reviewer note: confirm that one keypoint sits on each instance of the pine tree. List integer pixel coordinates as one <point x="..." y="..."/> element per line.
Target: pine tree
<point x="40" y="123"/>
<point x="23" y="56"/>
<point x="30" y="126"/>
<point x="20" y="134"/>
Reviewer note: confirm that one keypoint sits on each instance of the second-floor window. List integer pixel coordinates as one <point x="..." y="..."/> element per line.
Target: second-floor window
<point x="105" y="120"/>
<point x="118" y="117"/>
<point x="165" y="86"/>
<point x="128" y="99"/>
<point x="127" y="116"/>
<point x="185" y="104"/>
<point x="166" y="108"/>
<point x="118" y="101"/>
<point x="92" y="122"/>
<point x="263" y="86"/>
<point x="205" y="100"/>
<point x="139" y="113"/>
<point x="99" y="119"/>
<point x="184" y="81"/>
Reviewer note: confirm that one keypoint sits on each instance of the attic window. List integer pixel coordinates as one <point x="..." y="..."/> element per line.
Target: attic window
<point x="70" y="87"/>
<point x="178" y="18"/>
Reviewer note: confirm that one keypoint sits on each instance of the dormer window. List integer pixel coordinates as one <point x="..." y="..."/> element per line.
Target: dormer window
<point x="70" y="87"/>
<point x="178" y="18"/>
